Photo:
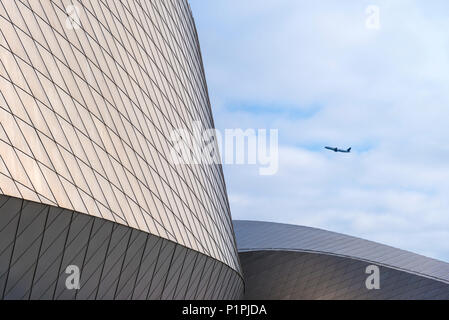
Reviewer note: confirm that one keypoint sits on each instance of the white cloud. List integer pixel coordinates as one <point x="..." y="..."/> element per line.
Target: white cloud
<point x="312" y="70"/>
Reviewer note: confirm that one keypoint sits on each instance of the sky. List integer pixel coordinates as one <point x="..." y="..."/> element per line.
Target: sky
<point x="314" y="71"/>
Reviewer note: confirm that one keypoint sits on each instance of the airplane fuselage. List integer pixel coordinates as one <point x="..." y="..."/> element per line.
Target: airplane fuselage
<point x="338" y="150"/>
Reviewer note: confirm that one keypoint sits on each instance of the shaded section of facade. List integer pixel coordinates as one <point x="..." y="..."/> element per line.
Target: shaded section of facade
<point x="90" y="92"/>
<point x="283" y="275"/>
<point x="115" y="261"/>
<point x="283" y="261"/>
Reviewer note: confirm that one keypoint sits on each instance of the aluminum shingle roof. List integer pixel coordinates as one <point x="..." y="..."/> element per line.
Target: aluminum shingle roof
<point x="257" y="236"/>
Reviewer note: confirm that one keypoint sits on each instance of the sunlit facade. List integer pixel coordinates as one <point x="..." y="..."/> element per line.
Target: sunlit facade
<point x="89" y="94"/>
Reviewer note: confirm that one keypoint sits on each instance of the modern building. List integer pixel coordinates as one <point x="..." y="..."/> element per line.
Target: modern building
<point x="90" y="92"/>
<point x="281" y="261"/>
<point x="92" y="205"/>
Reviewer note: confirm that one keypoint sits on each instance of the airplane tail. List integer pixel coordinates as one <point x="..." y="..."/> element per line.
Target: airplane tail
<point x="349" y="150"/>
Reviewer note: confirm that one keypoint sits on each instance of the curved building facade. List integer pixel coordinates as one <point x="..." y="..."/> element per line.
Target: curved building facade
<point x="90" y="92"/>
<point x="281" y="261"/>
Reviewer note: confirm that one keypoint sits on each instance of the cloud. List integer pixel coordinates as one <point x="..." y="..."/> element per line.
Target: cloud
<point x="313" y="71"/>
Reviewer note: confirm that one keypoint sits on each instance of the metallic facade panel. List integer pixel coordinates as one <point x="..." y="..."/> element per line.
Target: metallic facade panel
<point x="255" y="235"/>
<point x="90" y="92"/>
<point x="283" y="261"/>
<point x="284" y="275"/>
<point x="115" y="261"/>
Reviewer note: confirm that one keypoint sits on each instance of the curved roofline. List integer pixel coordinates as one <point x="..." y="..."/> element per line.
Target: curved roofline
<point x="348" y="257"/>
<point x="296" y="238"/>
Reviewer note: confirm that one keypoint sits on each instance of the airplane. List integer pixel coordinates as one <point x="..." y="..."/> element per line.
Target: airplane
<point x="338" y="150"/>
